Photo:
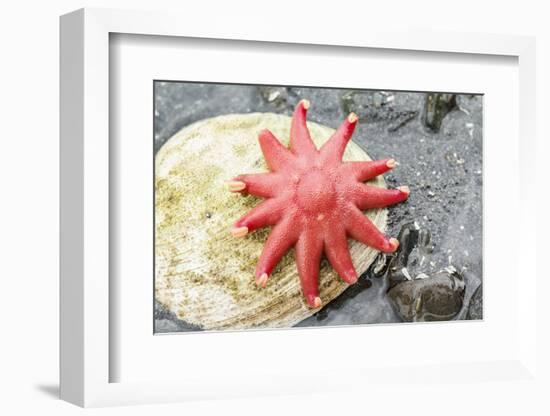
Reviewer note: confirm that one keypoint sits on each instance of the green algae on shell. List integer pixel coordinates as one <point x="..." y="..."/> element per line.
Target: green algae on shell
<point x="202" y="273"/>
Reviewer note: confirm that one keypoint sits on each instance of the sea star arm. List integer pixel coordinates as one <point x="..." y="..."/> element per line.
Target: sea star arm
<point x="337" y="252"/>
<point x="263" y="185"/>
<point x="269" y="212"/>
<point x="360" y="228"/>
<point x="333" y="150"/>
<point x="276" y="155"/>
<point x="281" y="238"/>
<point x="309" y="249"/>
<point x="368" y="197"/>
<point x="364" y="171"/>
<point x="300" y="140"/>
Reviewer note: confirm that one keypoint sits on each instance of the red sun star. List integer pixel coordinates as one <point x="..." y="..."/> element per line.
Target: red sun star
<point x="314" y="201"/>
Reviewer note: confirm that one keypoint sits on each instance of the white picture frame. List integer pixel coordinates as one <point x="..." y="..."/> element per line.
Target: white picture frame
<point x="86" y="356"/>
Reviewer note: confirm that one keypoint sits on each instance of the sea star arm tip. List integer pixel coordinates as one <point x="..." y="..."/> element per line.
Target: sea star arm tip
<point x="361" y="228"/>
<point x="370" y="197"/>
<point x="268" y="212"/>
<point x="300" y="139"/>
<point x="352" y="118"/>
<point x="404" y="189"/>
<point x="333" y="150"/>
<point x="236" y="185"/>
<point x="239" y="232"/>
<point x="366" y="170"/>
<point x="394" y="242"/>
<point x="316" y="303"/>
<point x="309" y="249"/>
<point x="337" y="252"/>
<point x="263" y="185"/>
<point x="391" y="163"/>
<point x="281" y="238"/>
<point x="261" y="280"/>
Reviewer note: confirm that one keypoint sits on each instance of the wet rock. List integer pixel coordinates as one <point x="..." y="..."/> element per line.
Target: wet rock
<point x="438" y="297"/>
<point x="411" y="258"/>
<point x="436" y="107"/>
<point x="380" y="265"/>
<point x="166" y="321"/>
<point x="475" y="308"/>
<point x="416" y="292"/>
<point x="277" y="96"/>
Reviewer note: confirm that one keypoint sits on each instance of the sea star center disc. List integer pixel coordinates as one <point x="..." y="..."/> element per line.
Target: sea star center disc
<point x="314" y="192"/>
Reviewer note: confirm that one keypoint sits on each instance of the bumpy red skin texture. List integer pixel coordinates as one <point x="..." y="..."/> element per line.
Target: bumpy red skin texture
<point x="314" y="201"/>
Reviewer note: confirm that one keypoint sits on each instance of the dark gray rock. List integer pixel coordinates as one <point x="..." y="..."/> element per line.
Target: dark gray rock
<point x="413" y="255"/>
<point x="415" y="290"/>
<point x="166" y="321"/>
<point x="438" y="297"/>
<point x="277" y="96"/>
<point x="436" y="107"/>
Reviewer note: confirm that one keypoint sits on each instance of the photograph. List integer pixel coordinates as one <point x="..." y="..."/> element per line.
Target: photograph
<point x="293" y="206"/>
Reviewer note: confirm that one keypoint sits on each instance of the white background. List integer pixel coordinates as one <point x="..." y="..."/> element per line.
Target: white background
<point x="29" y="209"/>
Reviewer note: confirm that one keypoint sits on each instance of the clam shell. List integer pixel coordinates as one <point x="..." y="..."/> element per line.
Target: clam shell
<point x="203" y="274"/>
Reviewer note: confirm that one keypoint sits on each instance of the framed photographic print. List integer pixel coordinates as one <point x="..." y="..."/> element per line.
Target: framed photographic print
<point x="236" y="223"/>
